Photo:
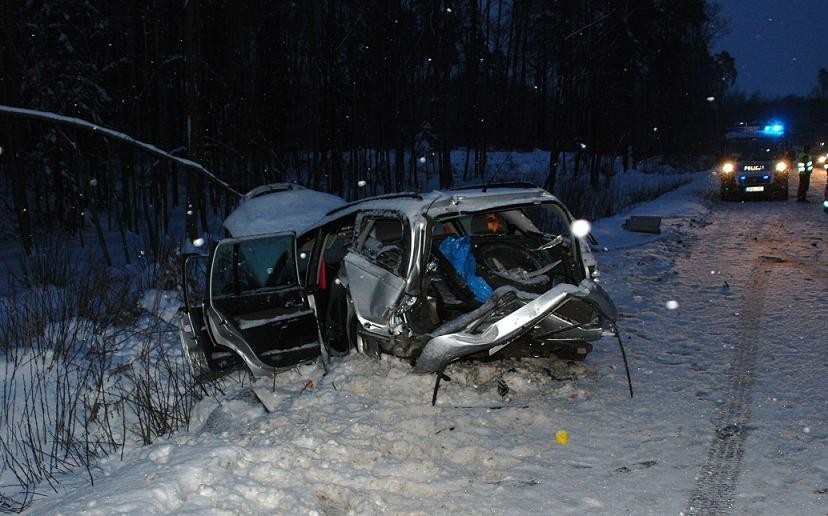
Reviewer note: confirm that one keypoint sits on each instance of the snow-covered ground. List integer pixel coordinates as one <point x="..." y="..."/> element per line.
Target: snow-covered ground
<point x="729" y="413"/>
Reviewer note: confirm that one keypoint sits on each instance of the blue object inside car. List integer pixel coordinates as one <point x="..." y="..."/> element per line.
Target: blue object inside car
<point x="457" y="251"/>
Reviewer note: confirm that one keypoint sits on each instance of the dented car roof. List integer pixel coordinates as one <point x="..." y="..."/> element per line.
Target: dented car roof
<point x="285" y="207"/>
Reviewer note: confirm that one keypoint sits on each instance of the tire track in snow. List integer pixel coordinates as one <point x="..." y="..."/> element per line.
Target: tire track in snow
<point x="716" y="482"/>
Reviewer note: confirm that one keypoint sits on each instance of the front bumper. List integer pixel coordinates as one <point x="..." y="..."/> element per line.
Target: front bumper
<point x="755" y="183"/>
<point x="444" y="349"/>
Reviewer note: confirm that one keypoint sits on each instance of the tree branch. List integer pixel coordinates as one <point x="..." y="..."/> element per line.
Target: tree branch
<point x="117" y="135"/>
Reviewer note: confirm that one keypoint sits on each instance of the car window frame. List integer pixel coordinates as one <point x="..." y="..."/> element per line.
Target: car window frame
<point x="361" y="233"/>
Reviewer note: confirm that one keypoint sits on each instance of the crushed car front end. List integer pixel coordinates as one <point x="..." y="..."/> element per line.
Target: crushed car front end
<point x="538" y="320"/>
<point x="494" y="273"/>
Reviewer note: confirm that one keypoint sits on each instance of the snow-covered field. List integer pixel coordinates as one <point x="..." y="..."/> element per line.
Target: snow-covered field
<point x="731" y="392"/>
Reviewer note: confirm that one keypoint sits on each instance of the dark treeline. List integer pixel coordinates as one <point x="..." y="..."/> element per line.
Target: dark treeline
<point x="328" y="92"/>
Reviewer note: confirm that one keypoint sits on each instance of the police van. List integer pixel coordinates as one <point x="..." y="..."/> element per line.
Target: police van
<point x="755" y="164"/>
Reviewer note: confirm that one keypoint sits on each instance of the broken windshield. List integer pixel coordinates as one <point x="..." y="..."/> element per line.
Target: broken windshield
<point x="546" y="219"/>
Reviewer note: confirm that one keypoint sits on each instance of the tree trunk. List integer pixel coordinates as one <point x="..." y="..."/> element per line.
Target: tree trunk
<point x="191" y="51"/>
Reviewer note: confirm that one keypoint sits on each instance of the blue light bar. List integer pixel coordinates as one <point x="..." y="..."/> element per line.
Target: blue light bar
<point x="773" y="129"/>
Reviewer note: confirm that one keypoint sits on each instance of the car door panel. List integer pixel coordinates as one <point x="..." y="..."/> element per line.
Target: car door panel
<point x="258" y="308"/>
<point x="375" y="265"/>
<point x="207" y="359"/>
<point x="375" y="291"/>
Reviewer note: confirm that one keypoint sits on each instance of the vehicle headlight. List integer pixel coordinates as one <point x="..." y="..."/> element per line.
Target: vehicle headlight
<point x="821" y="159"/>
<point x="728" y="167"/>
<point x="825" y="204"/>
<point x="781" y="166"/>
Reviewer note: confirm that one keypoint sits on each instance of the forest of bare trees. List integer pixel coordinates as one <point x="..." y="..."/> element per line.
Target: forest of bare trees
<point x="328" y="93"/>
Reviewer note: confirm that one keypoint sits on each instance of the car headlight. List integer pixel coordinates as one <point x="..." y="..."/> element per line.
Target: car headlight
<point x="821" y="159"/>
<point x="781" y="166"/>
<point x="825" y="204"/>
<point x="728" y="167"/>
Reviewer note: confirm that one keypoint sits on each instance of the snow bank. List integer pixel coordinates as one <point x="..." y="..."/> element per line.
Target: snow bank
<point x="364" y="439"/>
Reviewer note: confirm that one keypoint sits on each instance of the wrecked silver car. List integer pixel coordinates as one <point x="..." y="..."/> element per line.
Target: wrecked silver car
<point x="473" y="273"/>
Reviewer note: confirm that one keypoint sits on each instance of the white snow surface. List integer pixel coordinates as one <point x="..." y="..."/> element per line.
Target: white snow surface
<point x="744" y="347"/>
<point x="292" y="210"/>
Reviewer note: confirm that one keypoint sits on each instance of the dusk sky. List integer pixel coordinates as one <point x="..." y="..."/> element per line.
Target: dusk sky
<point x="779" y="45"/>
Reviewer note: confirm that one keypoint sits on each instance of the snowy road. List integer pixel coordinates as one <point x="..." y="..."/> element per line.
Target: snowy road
<point x="749" y="344"/>
<point x="729" y="414"/>
<point x="775" y="272"/>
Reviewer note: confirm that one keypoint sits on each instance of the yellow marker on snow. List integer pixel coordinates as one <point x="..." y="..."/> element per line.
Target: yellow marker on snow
<point x="561" y="437"/>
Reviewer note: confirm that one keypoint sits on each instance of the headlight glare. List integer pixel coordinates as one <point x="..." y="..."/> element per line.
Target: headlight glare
<point x="781" y="166"/>
<point x="728" y="167"/>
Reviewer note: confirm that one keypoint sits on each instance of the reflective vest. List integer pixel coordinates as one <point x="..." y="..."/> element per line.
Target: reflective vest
<point x="804" y="163"/>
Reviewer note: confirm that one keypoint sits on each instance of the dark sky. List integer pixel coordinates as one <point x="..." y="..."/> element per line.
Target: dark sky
<point x="779" y="45"/>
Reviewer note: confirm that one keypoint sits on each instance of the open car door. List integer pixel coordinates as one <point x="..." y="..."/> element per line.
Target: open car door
<point x="207" y="360"/>
<point x="257" y="306"/>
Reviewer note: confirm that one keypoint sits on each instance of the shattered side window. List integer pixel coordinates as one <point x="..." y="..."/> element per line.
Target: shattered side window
<point x="255" y="265"/>
<point x="381" y="240"/>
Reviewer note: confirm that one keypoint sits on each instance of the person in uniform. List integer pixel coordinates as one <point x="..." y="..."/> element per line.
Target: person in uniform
<point x="805" y="165"/>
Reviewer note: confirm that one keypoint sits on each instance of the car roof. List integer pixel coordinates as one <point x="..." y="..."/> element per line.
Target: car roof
<point x="285" y="207"/>
<point x="280" y="207"/>
<point x="440" y="203"/>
